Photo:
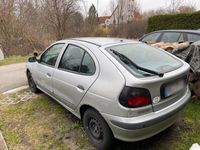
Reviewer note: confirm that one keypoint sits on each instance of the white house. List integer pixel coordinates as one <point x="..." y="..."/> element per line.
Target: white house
<point x="123" y="13"/>
<point x="104" y="21"/>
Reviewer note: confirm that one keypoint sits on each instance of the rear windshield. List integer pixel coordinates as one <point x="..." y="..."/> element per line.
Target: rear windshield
<point x="146" y="57"/>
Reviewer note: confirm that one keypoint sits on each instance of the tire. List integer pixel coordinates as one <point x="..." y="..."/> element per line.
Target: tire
<point x="97" y="130"/>
<point x="31" y="83"/>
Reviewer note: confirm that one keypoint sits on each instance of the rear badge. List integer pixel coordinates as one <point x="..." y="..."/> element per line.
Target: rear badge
<point x="156" y="100"/>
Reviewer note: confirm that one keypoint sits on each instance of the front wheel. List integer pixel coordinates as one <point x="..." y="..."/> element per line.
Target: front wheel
<point x="32" y="84"/>
<point x="97" y="129"/>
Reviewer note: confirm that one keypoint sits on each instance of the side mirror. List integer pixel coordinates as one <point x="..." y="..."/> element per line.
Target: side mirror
<point x="32" y="59"/>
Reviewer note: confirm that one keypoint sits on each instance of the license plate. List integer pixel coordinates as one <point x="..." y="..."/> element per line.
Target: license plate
<point x="173" y="88"/>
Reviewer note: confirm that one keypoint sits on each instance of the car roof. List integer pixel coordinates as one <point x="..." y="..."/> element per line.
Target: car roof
<point x="179" y="30"/>
<point x="102" y="41"/>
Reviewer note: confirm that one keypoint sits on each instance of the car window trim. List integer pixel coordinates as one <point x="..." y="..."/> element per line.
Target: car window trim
<point x="46" y="51"/>
<point x="81" y="61"/>
<point x="70" y="71"/>
<point x="92" y="61"/>
<point x="181" y="34"/>
<point x="160" y="37"/>
<point x="179" y="37"/>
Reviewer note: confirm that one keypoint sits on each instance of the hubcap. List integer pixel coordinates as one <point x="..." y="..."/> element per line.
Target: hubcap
<point x="95" y="128"/>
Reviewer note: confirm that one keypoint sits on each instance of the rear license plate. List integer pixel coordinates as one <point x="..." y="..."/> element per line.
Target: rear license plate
<point x="173" y="88"/>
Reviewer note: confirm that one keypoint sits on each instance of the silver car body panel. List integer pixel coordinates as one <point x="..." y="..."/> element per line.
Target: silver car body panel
<point x="142" y="127"/>
<point x="102" y="90"/>
<point x="65" y="83"/>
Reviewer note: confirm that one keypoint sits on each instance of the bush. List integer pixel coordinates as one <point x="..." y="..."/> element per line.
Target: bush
<point x="101" y="32"/>
<point x="174" y="21"/>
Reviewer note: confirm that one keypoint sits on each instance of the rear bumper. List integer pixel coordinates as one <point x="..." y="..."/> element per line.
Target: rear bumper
<point x="142" y="127"/>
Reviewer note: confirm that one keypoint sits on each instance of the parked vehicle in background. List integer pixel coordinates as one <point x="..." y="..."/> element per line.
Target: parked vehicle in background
<point x="119" y="88"/>
<point x="171" y="36"/>
<point x="183" y="44"/>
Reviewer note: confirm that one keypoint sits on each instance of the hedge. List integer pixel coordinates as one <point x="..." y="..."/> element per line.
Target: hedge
<point x="174" y="21"/>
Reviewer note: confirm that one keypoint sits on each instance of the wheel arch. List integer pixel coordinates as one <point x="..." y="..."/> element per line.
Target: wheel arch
<point x="27" y="71"/>
<point x="83" y="109"/>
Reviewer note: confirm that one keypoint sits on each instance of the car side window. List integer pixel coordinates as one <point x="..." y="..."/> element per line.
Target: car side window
<point x="50" y="56"/>
<point x="88" y="65"/>
<point x="193" y="37"/>
<point x="72" y="58"/>
<point x="151" y="38"/>
<point x="77" y="60"/>
<point x="170" y="37"/>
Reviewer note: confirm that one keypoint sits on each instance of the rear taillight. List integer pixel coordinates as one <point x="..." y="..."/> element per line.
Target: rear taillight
<point x="138" y="101"/>
<point x="135" y="97"/>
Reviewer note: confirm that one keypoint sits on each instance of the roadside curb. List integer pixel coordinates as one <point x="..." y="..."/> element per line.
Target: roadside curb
<point x="15" y="90"/>
<point x="3" y="144"/>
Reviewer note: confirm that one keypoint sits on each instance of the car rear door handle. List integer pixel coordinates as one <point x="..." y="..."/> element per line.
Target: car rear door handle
<point x="81" y="87"/>
<point x="48" y="75"/>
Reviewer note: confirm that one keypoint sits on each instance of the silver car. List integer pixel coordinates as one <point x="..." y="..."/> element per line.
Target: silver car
<point x="119" y="88"/>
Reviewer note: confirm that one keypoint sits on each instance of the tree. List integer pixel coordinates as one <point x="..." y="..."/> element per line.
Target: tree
<point x="187" y="9"/>
<point x="57" y="13"/>
<point x="120" y="11"/>
<point x="76" y="24"/>
<point x="112" y="6"/>
<point x="174" y="6"/>
<point x="7" y="24"/>
<point x="92" y="19"/>
<point x="85" y="7"/>
<point x="151" y="13"/>
<point x="126" y="10"/>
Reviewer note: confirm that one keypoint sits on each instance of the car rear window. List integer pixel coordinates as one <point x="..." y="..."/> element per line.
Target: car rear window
<point x="147" y="57"/>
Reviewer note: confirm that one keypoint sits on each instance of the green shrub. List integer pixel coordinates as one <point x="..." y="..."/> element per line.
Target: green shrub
<point x="174" y="21"/>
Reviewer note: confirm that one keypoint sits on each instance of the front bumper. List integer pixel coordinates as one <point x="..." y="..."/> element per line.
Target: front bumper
<point x="142" y="127"/>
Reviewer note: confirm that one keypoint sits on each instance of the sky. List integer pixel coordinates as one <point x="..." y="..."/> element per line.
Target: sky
<point x="104" y="9"/>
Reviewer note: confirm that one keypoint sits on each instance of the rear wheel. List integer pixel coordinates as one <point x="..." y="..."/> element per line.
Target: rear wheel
<point x="32" y="84"/>
<point x="97" y="129"/>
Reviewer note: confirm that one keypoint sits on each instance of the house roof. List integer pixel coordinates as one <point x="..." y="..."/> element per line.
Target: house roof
<point x="102" y="19"/>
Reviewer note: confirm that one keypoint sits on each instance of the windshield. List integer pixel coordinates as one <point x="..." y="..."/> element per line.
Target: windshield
<point x="146" y="57"/>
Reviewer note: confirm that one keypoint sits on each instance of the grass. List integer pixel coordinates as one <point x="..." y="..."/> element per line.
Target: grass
<point x="13" y="59"/>
<point x="43" y="124"/>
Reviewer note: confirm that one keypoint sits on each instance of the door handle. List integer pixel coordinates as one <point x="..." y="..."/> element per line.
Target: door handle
<point x="80" y="87"/>
<point x="48" y="75"/>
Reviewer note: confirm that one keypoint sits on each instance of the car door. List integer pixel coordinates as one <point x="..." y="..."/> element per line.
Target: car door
<point x="46" y="66"/>
<point x="76" y="72"/>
